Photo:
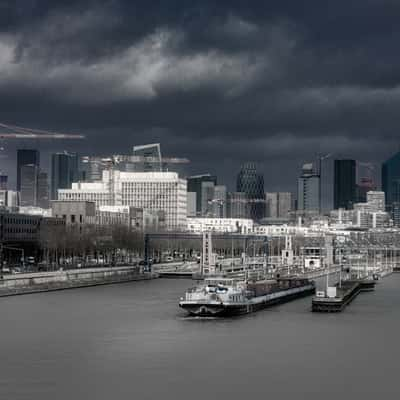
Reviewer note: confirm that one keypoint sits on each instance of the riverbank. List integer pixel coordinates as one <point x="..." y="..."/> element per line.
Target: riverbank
<point x="19" y="284"/>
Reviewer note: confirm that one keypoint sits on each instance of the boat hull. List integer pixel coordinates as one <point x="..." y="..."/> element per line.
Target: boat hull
<point x="205" y="309"/>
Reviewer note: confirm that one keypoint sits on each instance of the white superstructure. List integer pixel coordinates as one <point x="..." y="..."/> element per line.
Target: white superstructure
<point x="221" y="225"/>
<point x="161" y="191"/>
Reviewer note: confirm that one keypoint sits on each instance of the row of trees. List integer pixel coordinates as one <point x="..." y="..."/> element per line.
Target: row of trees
<point x="90" y="244"/>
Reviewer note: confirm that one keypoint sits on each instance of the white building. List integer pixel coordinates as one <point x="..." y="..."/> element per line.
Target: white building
<point x="222" y="225"/>
<point x="157" y="191"/>
<point x="376" y="200"/>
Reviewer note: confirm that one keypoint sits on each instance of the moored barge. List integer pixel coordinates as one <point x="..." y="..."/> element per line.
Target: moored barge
<point x="219" y="297"/>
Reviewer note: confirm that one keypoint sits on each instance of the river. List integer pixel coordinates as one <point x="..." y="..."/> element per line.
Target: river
<point x="131" y="341"/>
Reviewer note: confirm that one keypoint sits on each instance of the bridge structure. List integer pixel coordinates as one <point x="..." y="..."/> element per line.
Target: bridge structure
<point x="246" y="239"/>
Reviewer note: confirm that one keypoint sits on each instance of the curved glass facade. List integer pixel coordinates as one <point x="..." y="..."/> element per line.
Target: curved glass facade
<point x="250" y="182"/>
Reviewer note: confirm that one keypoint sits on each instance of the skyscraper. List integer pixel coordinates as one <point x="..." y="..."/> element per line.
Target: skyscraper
<point x="249" y="181"/>
<point x="278" y="204"/>
<point x="308" y="189"/>
<point x="64" y="171"/>
<point x="207" y="196"/>
<point x="219" y="202"/>
<point x="238" y="205"/>
<point x="42" y="190"/>
<point x="194" y="185"/>
<point x="152" y="161"/>
<point x="271" y="203"/>
<point x="284" y="204"/>
<point x="345" y="189"/>
<point x="29" y="184"/>
<point x="3" y="182"/>
<point x="26" y="157"/>
<point x="391" y="179"/>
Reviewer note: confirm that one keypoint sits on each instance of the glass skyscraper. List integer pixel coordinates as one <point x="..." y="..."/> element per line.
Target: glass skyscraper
<point x="250" y="182"/>
<point x="345" y="189"/>
<point x="391" y="179"/>
<point x="26" y="157"/>
<point x="64" y="171"/>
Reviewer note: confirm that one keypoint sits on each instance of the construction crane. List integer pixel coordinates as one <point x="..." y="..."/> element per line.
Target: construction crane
<point x="19" y="132"/>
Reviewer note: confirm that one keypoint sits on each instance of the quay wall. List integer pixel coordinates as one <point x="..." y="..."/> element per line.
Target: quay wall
<point x="68" y="279"/>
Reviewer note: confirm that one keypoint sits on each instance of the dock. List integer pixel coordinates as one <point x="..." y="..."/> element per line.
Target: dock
<point x="341" y="296"/>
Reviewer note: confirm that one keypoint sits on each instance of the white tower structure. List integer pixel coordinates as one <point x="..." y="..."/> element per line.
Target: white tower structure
<point x="207" y="258"/>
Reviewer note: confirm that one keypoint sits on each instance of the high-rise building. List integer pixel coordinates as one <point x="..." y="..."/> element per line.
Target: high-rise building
<point x="391" y="179"/>
<point x="219" y="202"/>
<point x="395" y="214"/>
<point x="194" y="185"/>
<point x="278" y="204"/>
<point x="152" y="161"/>
<point x="308" y="193"/>
<point x="271" y="203"/>
<point x="91" y="168"/>
<point x="191" y="204"/>
<point x="3" y="182"/>
<point x="345" y="190"/>
<point x="285" y="200"/>
<point x="249" y="181"/>
<point x="207" y="196"/>
<point x="26" y="157"/>
<point x="43" y="190"/>
<point x="29" y="184"/>
<point x="64" y="171"/>
<point x="238" y="205"/>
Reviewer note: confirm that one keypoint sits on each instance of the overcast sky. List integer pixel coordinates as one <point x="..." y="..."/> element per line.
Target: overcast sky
<point x="219" y="82"/>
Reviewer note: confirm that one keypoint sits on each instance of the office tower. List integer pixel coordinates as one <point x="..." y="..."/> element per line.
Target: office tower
<point x="308" y="189"/>
<point x="64" y="171"/>
<point x="238" y="206"/>
<point x="249" y="181"/>
<point x="43" y="190"/>
<point x="29" y="184"/>
<point x="152" y="161"/>
<point x="191" y="204"/>
<point x="285" y="200"/>
<point x="152" y="191"/>
<point x="3" y="182"/>
<point x="271" y="203"/>
<point x="26" y="157"/>
<point x="207" y="196"/>
<point x="395" y="214"/>
<point x="278" y="204"/>
<point x="91" y="168"/>
<point x="345" y="191"/>
<point x="194" y="184"/>
<point x="219" y="202"/>
<point x="391" y="179"/>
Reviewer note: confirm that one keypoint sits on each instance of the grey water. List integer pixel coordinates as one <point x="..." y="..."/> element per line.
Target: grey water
<point x="131" y="341"/>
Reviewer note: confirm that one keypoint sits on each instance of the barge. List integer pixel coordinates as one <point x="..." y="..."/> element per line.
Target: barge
<point x="220" y="297"/>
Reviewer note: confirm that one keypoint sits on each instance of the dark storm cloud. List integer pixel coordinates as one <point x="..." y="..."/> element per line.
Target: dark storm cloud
<point x="276" y="82"/>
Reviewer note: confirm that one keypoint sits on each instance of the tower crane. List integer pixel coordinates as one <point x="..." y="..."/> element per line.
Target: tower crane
<point x="18" y="132"/>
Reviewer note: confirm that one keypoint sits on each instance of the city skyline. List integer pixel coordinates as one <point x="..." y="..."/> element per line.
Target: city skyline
<point x="327" y="181"/>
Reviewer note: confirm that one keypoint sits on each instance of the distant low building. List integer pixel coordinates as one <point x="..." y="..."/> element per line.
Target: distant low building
<point x="220" y="225"/>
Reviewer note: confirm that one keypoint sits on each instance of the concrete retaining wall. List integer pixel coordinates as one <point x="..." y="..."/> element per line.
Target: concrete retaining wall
<point x="68" y="279"/>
